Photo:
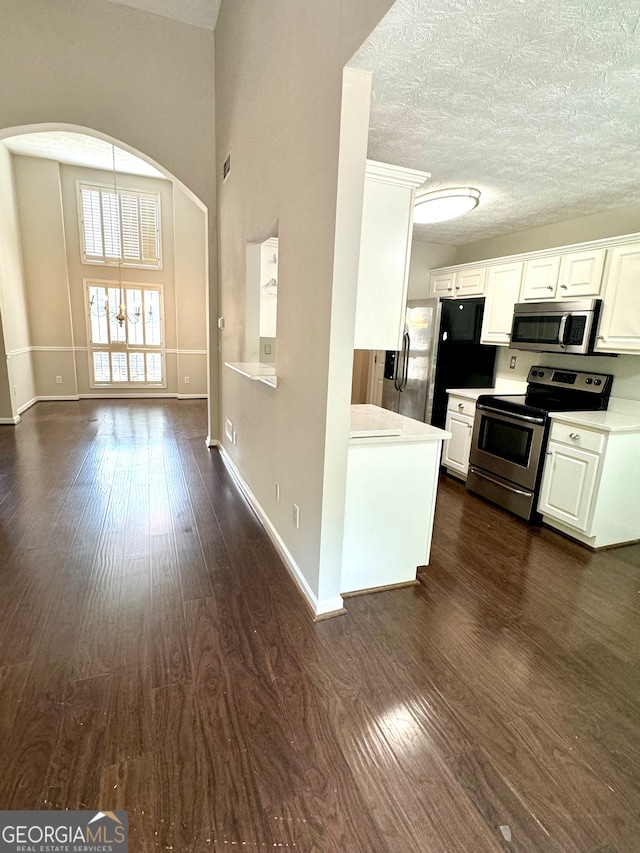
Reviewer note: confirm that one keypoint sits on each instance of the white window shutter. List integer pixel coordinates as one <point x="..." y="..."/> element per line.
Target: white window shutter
<point x="122" y="225"/>
<point x="92" y="222"/>
<point x="149" y="228"/>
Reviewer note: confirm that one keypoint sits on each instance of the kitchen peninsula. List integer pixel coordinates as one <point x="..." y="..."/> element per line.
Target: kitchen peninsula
<point x="392" y="479"/>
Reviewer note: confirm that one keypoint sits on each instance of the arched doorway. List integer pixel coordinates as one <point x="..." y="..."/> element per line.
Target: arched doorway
<point x="48" y="277"/>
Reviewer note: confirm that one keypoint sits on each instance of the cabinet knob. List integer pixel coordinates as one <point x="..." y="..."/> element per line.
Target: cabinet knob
<point x="549" y="453"/>
<point x="549" y="287"/>
<point x="564" y="287"/>
<point x="469" y="426"/>
<point x="461" y="405"/>
<point x="449" y="288"/>
<point x="574" y="435"/>
<point x="600" y="337"/>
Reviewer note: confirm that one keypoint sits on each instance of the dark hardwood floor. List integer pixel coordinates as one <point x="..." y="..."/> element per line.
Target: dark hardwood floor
<point x="156" y="656"/>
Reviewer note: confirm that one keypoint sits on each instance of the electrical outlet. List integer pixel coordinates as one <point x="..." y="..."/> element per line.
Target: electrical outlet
<point x="186" y="380"/>
<point x="235" y="437"/>
<point x="267" y="349"/>
<point x="221" y="322"/>
<point x="58" y="380"/>
<point x="512" y="363"/>
<point x="228" y="429"/>
<point x="296" y="516"/>
<point x="277" y="491"/>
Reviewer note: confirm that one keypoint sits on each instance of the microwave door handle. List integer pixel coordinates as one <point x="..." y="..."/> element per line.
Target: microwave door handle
<point x="563" y="330"/>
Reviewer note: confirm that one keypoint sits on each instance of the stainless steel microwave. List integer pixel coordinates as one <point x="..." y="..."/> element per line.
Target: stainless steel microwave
<point x="556" y="326"/>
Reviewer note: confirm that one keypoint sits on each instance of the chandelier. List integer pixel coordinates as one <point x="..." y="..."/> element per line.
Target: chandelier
<point x="121" y="315"/>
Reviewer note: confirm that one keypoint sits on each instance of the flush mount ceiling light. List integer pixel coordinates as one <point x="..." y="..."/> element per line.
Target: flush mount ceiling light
<point x="440" y="205"/>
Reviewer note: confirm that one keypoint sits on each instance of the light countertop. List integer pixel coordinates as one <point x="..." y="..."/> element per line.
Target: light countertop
<point x="609" y="421"/>
<point x="470" y="393"/>
<point x="374" y="424"/>
<point x="256" y="370"/>
<point x="502" y="386"/>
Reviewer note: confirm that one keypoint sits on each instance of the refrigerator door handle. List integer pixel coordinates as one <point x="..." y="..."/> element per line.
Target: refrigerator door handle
<point x="396" y="371"/>
<point x="406" y="344"/>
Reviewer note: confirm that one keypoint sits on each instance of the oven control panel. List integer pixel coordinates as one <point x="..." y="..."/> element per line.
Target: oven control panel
<point x="596" y="383"/>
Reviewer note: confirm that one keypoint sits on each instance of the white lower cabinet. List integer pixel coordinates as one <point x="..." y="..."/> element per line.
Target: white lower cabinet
<point x="591" y="485"/>
<point x="569" y="484"/>
<point x="456" y="450"/>
<point x="390" y="499"/>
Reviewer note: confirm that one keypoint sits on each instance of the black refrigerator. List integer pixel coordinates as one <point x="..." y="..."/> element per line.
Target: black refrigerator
<point x="441" y="349"/>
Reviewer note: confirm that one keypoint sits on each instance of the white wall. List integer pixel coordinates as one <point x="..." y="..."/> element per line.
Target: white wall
<point x="74" y="62"/>
<point x="625" y="368"/>
<point x="16" y="371"/>
<point x="6" y="410"/>
<point x="190" y="270"/>
<point x="279" y="77"/>
<point x="598" y="226"/>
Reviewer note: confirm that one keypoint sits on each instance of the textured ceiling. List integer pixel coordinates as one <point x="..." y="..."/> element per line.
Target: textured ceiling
<point x="534" y="102"/>
<point x="79" y="150"/>
<point x="199" y="13"/>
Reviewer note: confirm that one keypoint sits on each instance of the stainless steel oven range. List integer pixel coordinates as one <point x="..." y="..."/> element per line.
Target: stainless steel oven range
<point x="510" y="433"/>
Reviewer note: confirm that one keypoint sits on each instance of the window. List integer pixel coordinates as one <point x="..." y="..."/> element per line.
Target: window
<point x="131" y="353"/>
<point x="119" y="226"/>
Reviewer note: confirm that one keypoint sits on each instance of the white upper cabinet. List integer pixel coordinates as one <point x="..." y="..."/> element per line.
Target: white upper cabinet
<point x="503" y="290"/>
<point x="469" y="281"/>
<point x="540" y="278"/>
<point x="619" y="329"/>
<point x="569" y="276"/>
<point x="385" y="251"/>
<point x="581" y="274"/>
<point x="442" y="284"/>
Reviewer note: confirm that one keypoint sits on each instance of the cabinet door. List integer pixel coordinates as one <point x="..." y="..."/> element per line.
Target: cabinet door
<point x="470" y="282"/>
<point x="581" y="274"/>
<point x="456" y="450"/>
<point x="568" y="484"/>
<point x="442" y="284"/>
<point x="503" y="290"/>
<point x="385" y="247"/>
<point x="540" y="278"/>
<point x="619" y="329"/>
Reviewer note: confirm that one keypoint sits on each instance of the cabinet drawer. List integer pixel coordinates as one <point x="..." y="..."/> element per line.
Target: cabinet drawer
<point x="461" y="406"/>
<point x="578" y="436"/>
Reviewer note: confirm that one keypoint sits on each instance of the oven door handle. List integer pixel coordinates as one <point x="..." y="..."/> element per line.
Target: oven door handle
<point x="499" y="482"/>
<point x="511" y="415"/>
<point x="563" y="330"/>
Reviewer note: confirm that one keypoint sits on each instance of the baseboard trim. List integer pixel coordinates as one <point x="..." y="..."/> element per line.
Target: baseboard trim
<point x="320" y="608"/>
<point x="212" y="442"/>
<point x="25" y="406"/>
<point x="10" y="421"/>
<point x="386" y="588"/>
<point x="56" y="398"/>
<point x="73" y="398"/>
